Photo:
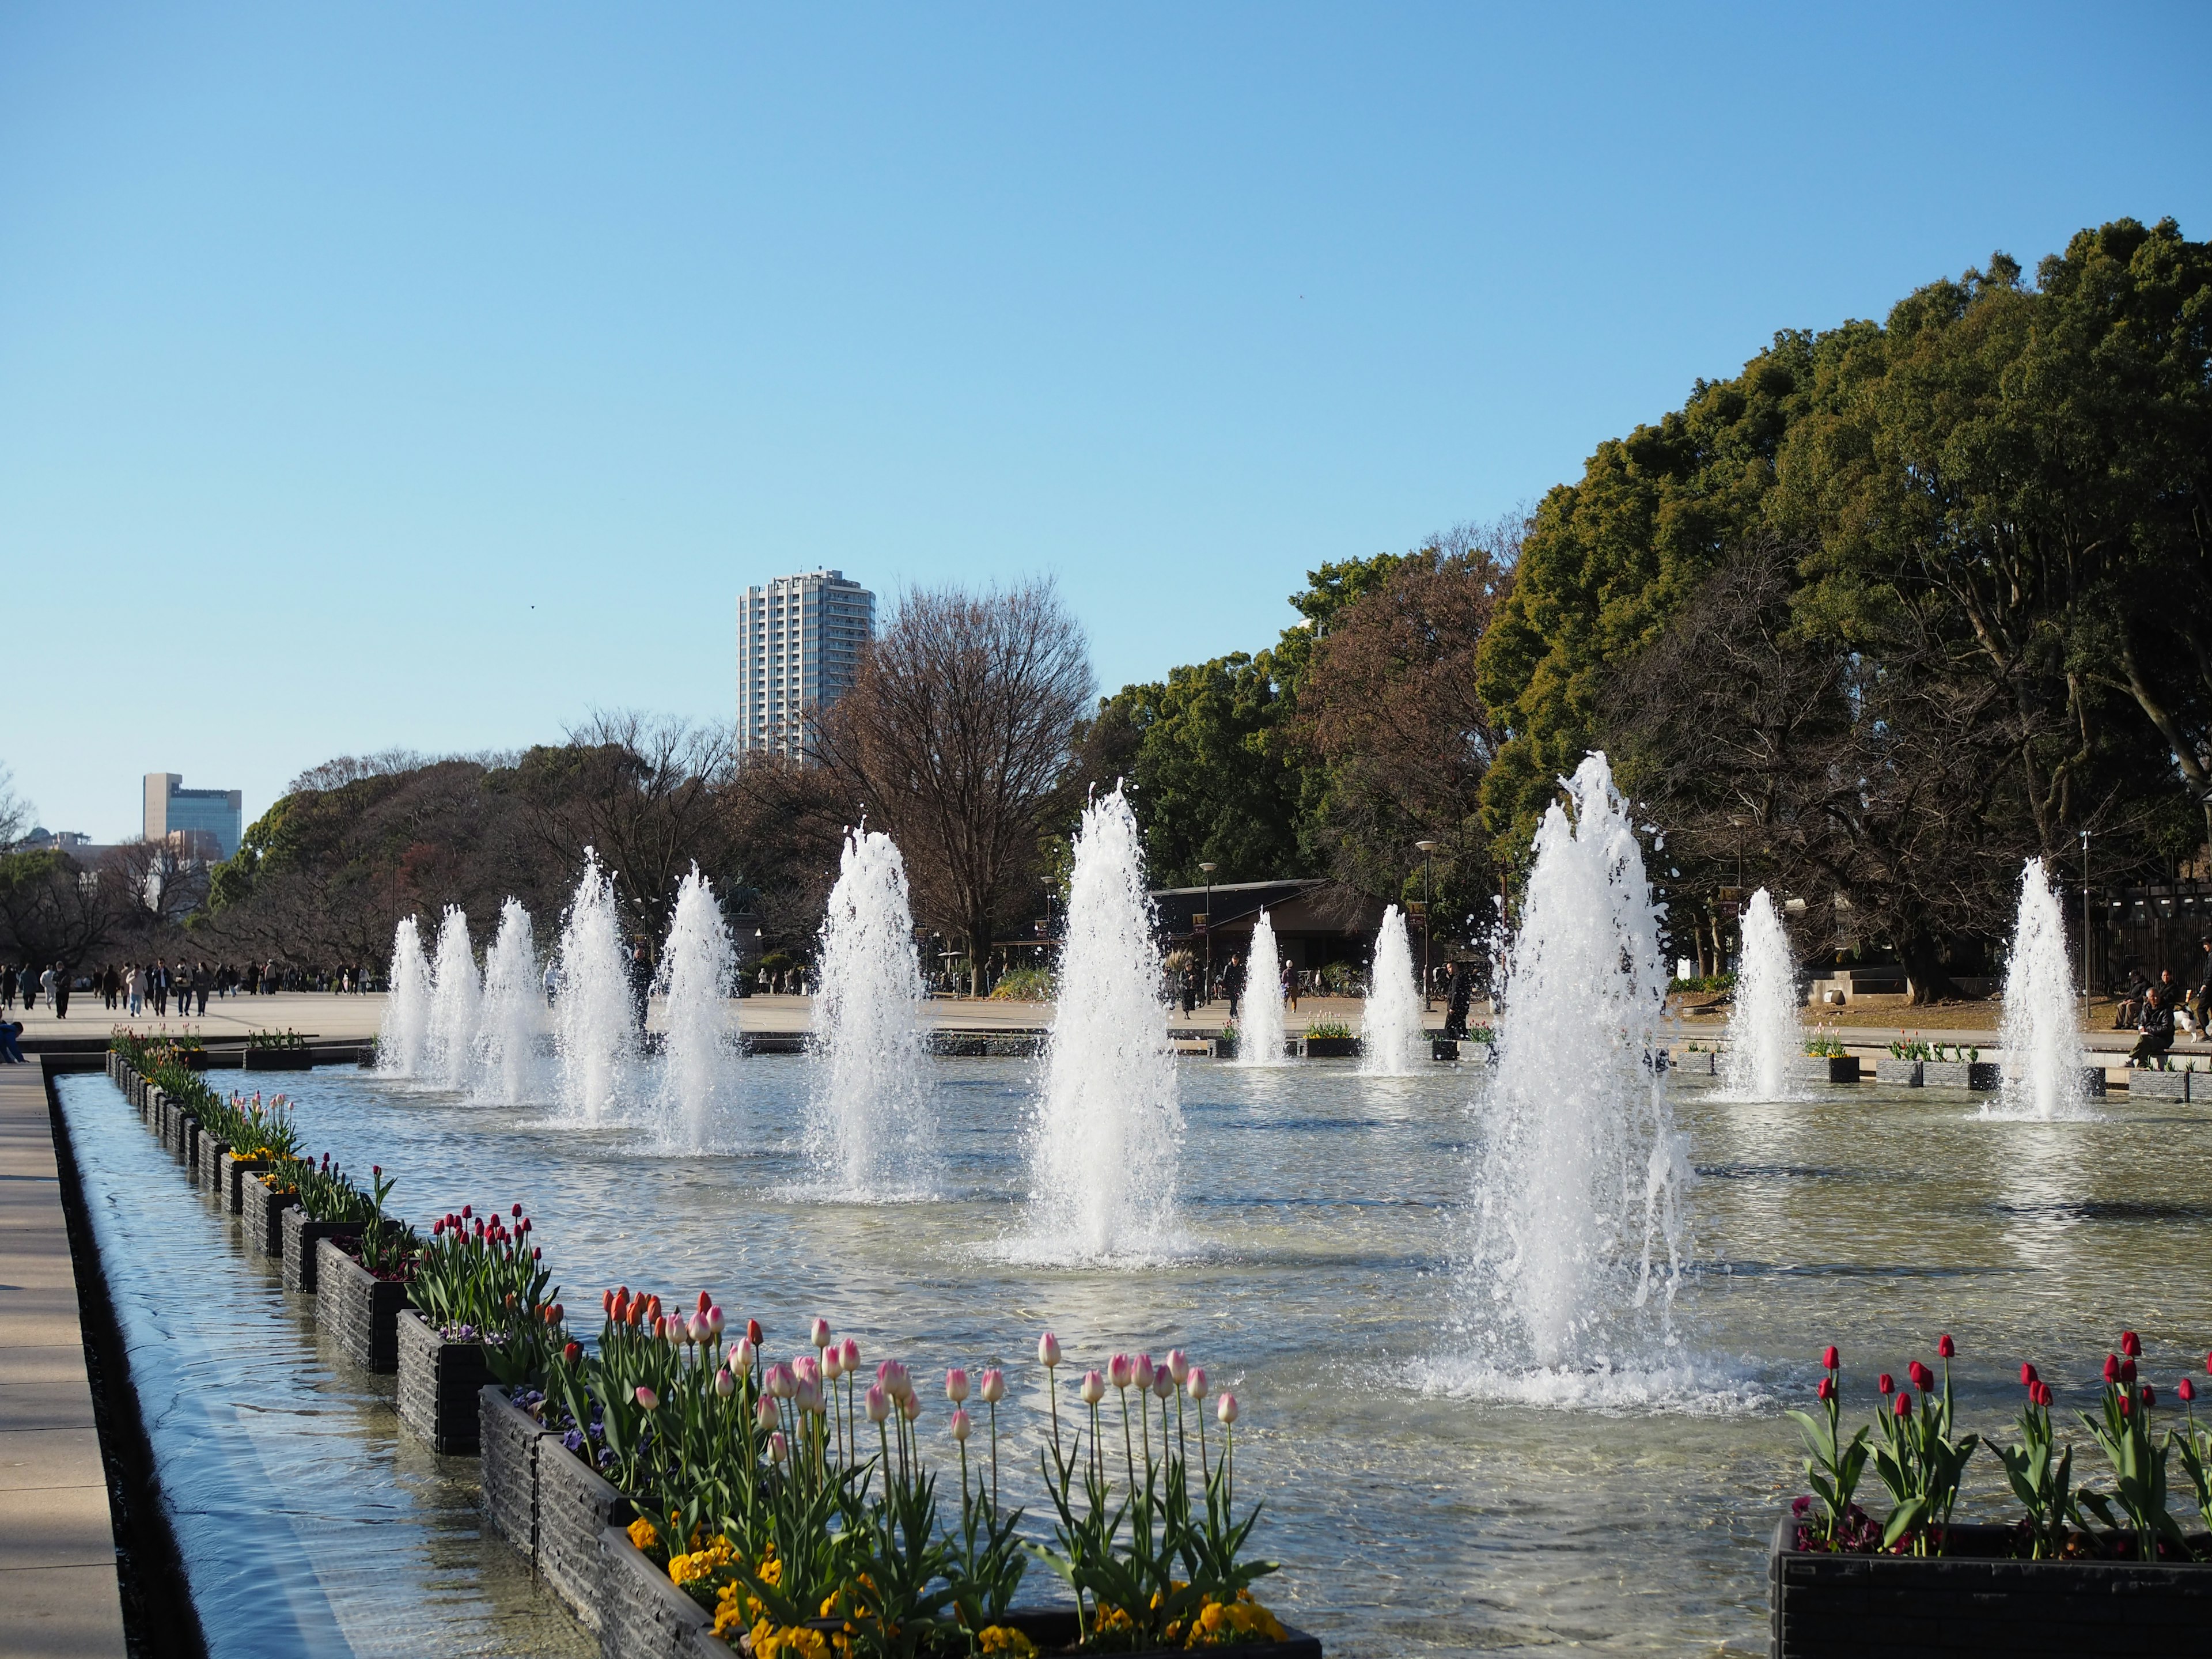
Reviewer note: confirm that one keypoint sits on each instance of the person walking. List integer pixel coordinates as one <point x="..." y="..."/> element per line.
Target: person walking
<point x="7" y="987"/>
<point x="134" y="988"/>
<point x="1460" y="986"/>
<point x="30" y="986"/>
<point x="157" y="986"/>
<point x="552" y="980"/>
<point x="58" y="994"/>
<point x="641" y="978"/>
<point x="1232" y="982"/>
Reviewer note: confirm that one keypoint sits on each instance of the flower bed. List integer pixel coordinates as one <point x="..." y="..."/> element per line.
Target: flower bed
<point x="439" y="1385"/>
<point x="301" y="1235"/>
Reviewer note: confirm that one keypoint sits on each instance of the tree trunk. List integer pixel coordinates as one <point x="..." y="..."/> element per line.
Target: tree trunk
<point x="1925" y="978"/>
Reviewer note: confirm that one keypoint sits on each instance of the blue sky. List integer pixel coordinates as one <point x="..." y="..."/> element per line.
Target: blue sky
<point x="426" y="376"/>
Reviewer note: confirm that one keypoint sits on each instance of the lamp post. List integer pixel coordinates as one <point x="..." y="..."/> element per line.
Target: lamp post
<point x="2085" y="918"/>
<point x="1425" y="847"/>
<point x="1209" y="867"/>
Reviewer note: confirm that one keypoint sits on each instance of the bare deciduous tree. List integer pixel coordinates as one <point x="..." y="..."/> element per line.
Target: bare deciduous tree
<point x="958" y="738"/>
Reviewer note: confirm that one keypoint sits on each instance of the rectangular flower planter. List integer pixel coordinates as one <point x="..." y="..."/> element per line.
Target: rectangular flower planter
<point x="278" y="1060"/>
<point x="642" y="1615"/>
<point x="207" y="1164"/>
<point x="508" y="1440"/>
<point x="1329" y="1047"/>
<point x="439" y="1385"/>
<point x="360" y="1310"/>
<point x="233" y="1179"/>
<point x="2144" y="1084"/>
<point x="265" y="1218"/>
<point x="574" y="1506"/>
<point x="1828" y="1068"/>
<point x="300" y="1236"/>
<point x="1444" y="1048"/>
<point x="1984" y="1075"/>
<point x="1901" y="1074"/>
<point x="1827" y="1606"/>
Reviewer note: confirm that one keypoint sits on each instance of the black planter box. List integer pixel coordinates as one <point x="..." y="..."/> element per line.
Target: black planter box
<point x="301" y="1236"/>
<point x="278" y="1060"/>
<point x="574" y="1507"/>
<point x="1824" y="1068"/>
<point x="207" y="1163"/>
<point x="360" y="1310"/>
<point x="1330" y="1047"/>
<point x="508" y="1440"/>
<point x="235" y="1175"/>
<point x="1961" y="1602"/>
<point x="265" y="1218"/>
<point x="1984" y="1076"/>
<point x="642" y="1615"/>
<point x="2146" y="1085"/>
<point x="439" y="1385"/>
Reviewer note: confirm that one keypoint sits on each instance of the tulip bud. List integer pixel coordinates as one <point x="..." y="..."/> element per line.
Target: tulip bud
<point x="1178" y="1365"/>
<point x="910" y="1405"/>
<point x="743" y="1351"/>
<point x="852" y="1361"/>
<point x="647" y="1398"/>
<point x="572" y="1352"/>
<point x="1226" y="1411"/>
<point x="725" y="1384"/>
<point x="1049" y="1350"/>
<point x="715" y="1321"/>
<point x="1830" y="1359"/>
<point x="2127" y="1405"/>
<point x="2111" y="1368"/>
<point x="2043" y="1395"/>
<point x="465" y="1211"/>
<point x="607" y="1302"/>
<point x="1826" y="1390"/>
<point x="778" y="1449"/>
<point x="2128" y="1373"/>
<point x="1163" y="1383"/>
<point x="2131" y="1345"/>
<point x="1093" y="1389"/>
<point x="956" y="1385"/>
<point x="753" y="1332"/>
<point x="1196" y="1383"/>
<point x="779" y="1382"/>
<point x="821" y="1333"/>
<point x="764" y="1412"/>
<point x="2149" y="1395"/>
<point x="959" y="1424"/>
<point x="1945" y="1348"/>
<point x="1885" y="1384"/>
<point x="1905" y="1405"/>
<point x="2186" y="1390"/>
<point x="2028" y="1376"/>
<point x="992" y="1388"/>
<point x="807" y="1396"/>
<point x="704" y="1302"/>
<point x="1142" y="1369"/>
<point x="1923" y="1378"/>
<point x="556" y="1314"/>
<point x="877" y="1402"/>
<point x="518" y="1211"/>
<point x="833" y="1363"/>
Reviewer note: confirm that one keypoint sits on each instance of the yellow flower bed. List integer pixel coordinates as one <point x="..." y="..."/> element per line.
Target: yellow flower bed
<point x="1218" y="1625"/>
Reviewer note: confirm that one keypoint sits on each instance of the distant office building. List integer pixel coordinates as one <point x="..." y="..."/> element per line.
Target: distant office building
<point x="205" y="824"/>
<point x="799" y="644"/>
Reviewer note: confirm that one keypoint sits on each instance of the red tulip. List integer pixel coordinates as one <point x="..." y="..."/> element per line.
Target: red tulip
<point x="2150" y="1396"/>
<point x="2131" y="1345"/>
<point x="2128" y="1373"/>
<point x="2027" y="1375"/>
<point x="2111" y="1368"/>
<point x="556" y="1314"/>
<point x="1829" y="1359"/>
<point x="467" y="1213"/>
<point x="1885" y="1384"/>
<point x="2043" y="1396"/>
<point x="704" y="1302"/>
<point x="572" y="1352"/>
<point x="1923" y="1378"/>
<point x="2126" y="1402"/>
<point x="753" y="1332"/>
<point x="2186" y="1390"/>
<point x="607" y="1302"/>
<point x="1905" y="1405"/>
<point x="1827" y="1388"/>
<point x="1945" y="1348"/>
<point x="516" y="1212"/>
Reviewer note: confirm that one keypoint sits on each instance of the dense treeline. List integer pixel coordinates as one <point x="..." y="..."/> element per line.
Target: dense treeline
<point x="1895" y="607"/>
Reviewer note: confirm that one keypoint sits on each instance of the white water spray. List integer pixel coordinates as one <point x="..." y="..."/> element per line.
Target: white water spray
<point x="406" y="1027"/>
<point x="2040" y="1035"/>
<point x="1109" y="1124"/>
<point x="698" y="1067"/>
<point x="1391" y="1030"/>
<point x="1578" y="1245"/>
<point x="513" y="1071"/>
<point x="456" y="999"/>
<point x="594" y="1030"/>
<point x="1260" y="1023"/>
<point x="1764" y="1032"/>
<point x="868" y="1133"/>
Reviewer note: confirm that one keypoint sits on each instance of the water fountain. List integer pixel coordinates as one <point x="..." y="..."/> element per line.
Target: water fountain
<point x="1110" y="1125"/>
<point x="2040" y="1035"/>
<point x="456" y="996"/>
<point x="513" y="1018"/>
<point x="1259" y="1021"/>
<point x="1764" y="1033"/>
<point x="1391" y="1031"/>
<point x="595" y="1029"/>
<point x="868" y="1130"/>
<point x="405" y="1028"/>
<point x="698" y="1066"/>
<point x="1577" y="1246"/>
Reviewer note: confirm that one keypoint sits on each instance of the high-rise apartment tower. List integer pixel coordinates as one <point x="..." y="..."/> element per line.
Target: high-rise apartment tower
<point x="798" y="643"/>
<point x="205" y="824"/>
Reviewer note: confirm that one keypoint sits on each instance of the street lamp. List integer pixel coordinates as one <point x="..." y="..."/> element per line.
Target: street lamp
<point x="2085" y="918"/>
<point x="1209" y="867"/>
<point x="1425" y="848"/>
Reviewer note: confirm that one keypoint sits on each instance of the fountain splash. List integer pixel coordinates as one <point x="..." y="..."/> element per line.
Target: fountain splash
<point x="868" y="1134"/>
<point x="511" y="1070"/>
<point x="1578" y="1246"/>
<point x="1260" y="1034"/>
<point x="2040" y="1034"/>
<point x="456" y="996"/>
<point x="594" y="1029"/>
<point x="1109" y="1124"/>
<point x="405" y="1028"/>
<point x="1392" y="1034"/>
<point x="698" y="1067"/>
<point x="1764" y="1032"/>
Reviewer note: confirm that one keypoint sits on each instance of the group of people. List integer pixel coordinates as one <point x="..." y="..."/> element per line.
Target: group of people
<point x="2158" y="1010"/>
<point x="136" y="988"/>
<point x="31" y="981"/>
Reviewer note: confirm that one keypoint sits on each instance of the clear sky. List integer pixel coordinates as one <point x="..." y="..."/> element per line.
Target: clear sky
<point x="426" y="375"/>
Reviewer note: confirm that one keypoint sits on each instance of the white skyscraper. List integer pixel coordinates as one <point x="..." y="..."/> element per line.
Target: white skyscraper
<point x="798" y="642"/>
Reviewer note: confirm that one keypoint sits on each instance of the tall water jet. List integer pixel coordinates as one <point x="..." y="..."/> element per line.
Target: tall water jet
<point x="595" y="1032"/>
<point x="868" y="1134"/>
<point x="1577" y="1248"/>
<point x="698" y="1067"/>
<point x="1764" y="1032"/>
<point x="512" y="1070"/>
<point x="1103" y="1153"/>
<point x="456" y="996"/>
<point x="2040" y="1033"/>
<point x="406" y="1026"/>
<point x="1259" y="1021"/>
<point x="1391" y="1030"/>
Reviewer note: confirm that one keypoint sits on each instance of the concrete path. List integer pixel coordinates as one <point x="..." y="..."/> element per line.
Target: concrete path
<point x="58" y="1594"/>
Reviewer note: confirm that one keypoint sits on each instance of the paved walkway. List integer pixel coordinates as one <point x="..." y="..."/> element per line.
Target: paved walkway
<point x="58" y="1594"/>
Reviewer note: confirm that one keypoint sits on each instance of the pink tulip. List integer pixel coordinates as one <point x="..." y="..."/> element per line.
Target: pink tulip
<point x="1093" y="1389"/>
<point x="1226" y="1411"/>
<point x="1141" y="1371"/>
<point x="743" y="1352"/>
<point x="910" y="1405"/>
<point x="959" y="1424"/>
<point x="778" y="1449"/>
<point x="697" y="1328"/>
<point x="833" y="1363"/>
<point x="1178" y="1365"/>
<point x="992" y="1386"/>
<point x="807" y="1368"/>
<point x="1049" y="1350"/>
<point x="779" y="1382"/>
<point x="851" y="1360"/>
<point x="821" y="1333"/>
<point x="956" y="1385"/>
<point x="714" y="1321"/>
<point x="877" y="1402"/>
<point x="808" y="1396"/>
<point x="1121" y="1370"/>
<point x="1163" y="1383"/>
<point x="725" y="1384"/>
<point x="1196" y="1383"/>
<point x="647" y="1398"/>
